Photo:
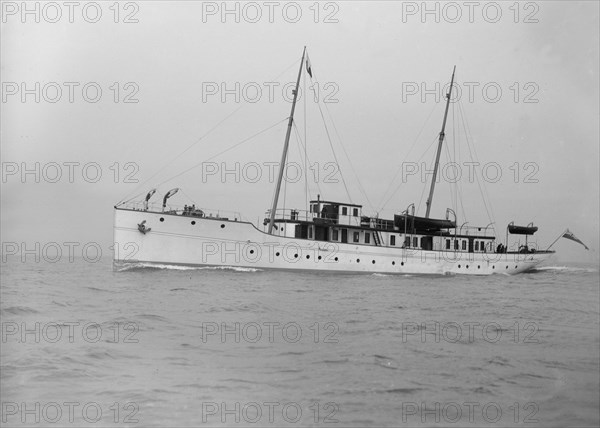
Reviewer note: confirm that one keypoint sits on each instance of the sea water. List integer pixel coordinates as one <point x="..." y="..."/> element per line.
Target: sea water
<point x="86" y="345"/>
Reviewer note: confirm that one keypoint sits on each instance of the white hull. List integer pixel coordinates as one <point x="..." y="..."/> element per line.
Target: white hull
<point x="217" y="242"/>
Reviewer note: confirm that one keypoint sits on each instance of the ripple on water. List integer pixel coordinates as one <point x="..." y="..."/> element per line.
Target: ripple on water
<point x="400" y="390"/>
<point x="367" y="373"/>
<point x="385" y="362"/>
<point x="18" y="310"/>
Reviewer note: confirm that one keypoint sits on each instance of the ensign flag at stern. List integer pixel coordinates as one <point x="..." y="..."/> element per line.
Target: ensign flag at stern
<point x="569" y="235"/>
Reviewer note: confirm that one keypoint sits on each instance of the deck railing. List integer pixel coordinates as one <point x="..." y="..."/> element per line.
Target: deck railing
<point x="185" y="210"/>
<point x="330" y="219"/>
<point x="371" y="222"/>
<point x="479" y="232"/>
<point x="292" y="214"/>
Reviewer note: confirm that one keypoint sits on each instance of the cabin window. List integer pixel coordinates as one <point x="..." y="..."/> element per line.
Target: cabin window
<point x="415" y="242"/>
<point x="476" y="245"/>
<point x="393" y="240"/>
<point x="344" y="211"/>
<point x="310" y="232"/>
<point x="447" y="244"/>
<point x="407" y="241"/>
<point x="456" y="244"/>
<point x="464" y="245"/>
<point x="334" y="235"/>
<point x="355" y="212"/>
<point x="356" y="237"/>
<point x="367" y="238"/>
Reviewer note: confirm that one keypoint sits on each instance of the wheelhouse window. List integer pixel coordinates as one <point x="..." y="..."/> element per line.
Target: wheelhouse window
<point x="415" y="242"/>
<point x="310" y="232"/>
<point x="393" y="240"/>
<point x="334" y="235"/>
<point x="476" y="245"/>
<point x="355" y="212"/>
<point x="356" y="237"/>
<point x="456" y="244"/>
<point x="344" y="210"/>
<point x="447" y="244"/>
<point x="367" y="238"/>
<point x="407" y="242"/>
<point x="464" y="245"/>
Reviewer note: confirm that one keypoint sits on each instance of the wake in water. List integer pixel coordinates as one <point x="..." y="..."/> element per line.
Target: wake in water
<point x="125" y="267"/>
<point x="388" y="275"/>
<point x="564" y="269"/>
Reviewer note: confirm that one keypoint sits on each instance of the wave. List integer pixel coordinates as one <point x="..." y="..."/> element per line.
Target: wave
<point x="400" y="390"/>
<point x="565" y="269"/>
<point x="385" y="362"/>
<point x="391" y="275"/>
<point x="160" y="266"/>
<point x="18" y="310"/>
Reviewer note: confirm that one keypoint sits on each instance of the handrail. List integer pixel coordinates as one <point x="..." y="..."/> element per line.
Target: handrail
<point x="475" y="231"/>
<point x="331" y="219"/>
<point x="186" y="210"/>
<point x="288" y="214"/>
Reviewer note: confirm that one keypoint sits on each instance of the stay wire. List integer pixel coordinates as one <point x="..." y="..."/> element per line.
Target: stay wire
<point x="406" y="156"/>
<point x="226" y="150"/>
<point x="314" y="78"/>
<point x="125" y="200"/>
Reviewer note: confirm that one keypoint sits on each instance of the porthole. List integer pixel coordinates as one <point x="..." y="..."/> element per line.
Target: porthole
<point x="162" y="219"/>
<point x="222" y="226"/>
<point x="193" y="222"/>
<point x="295" y="256"/>
<point x="251" y="251"/>
<point x="467" y="266"/>
<point x="307" y="256"/>
<point x="401" y="263"/>
<point x="506" y="267"/>
<point x="393" y="263"/>
<point x="478" y="267"/>
<point x="516" y="267"/>
<point x="319" y="257"/>
<point x="357" y="260"/>
<point x="494" y="267"/>
<point x="459" y="266"/>
<point x="373" y="262"/>
<point x="277" y="254"/>
<point x="336" y="259"/>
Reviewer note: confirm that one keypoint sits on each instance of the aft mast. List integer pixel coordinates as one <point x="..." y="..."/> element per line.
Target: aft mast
<point x="285" y="147"/>
<point x="439" y="150"/>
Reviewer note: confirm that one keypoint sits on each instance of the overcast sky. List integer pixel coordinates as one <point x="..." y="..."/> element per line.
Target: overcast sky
<point x="528" y="77"/>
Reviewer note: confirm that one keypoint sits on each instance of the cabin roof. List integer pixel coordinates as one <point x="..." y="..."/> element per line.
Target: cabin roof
<point x="335" y="203"/>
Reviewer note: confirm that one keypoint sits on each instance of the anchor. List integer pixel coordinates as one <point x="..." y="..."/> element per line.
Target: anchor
<point x="142" y="227"/>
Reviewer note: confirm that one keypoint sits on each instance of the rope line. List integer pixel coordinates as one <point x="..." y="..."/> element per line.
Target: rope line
<point x="193" y="144"/>
<point x="225" y="151"/>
